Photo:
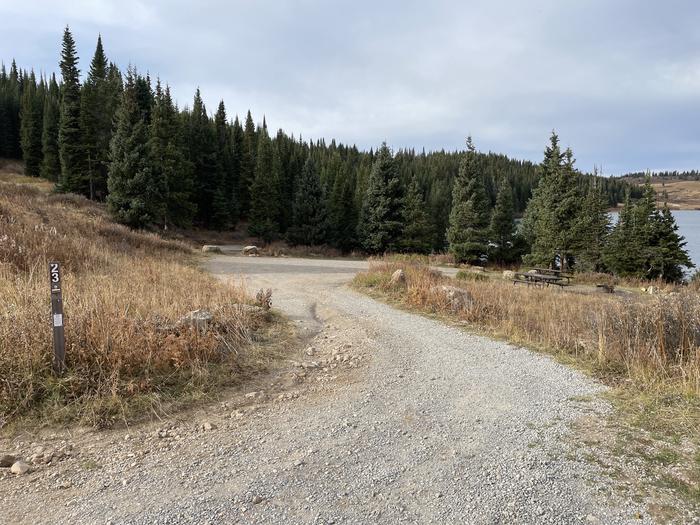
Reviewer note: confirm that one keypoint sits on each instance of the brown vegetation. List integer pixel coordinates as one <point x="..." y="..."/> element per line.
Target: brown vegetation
<point x="650" y="342"/>
<point x="124" y="293"/>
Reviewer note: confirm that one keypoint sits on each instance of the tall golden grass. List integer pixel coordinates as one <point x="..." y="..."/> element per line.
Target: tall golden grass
<point x="124" y="292"/>
<point x="648" y="341"/>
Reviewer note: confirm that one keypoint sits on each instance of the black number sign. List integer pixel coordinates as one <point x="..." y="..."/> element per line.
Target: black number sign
<point x="59" y="338"/>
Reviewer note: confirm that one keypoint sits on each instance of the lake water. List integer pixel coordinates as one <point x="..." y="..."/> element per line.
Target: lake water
<point x="689" y="227"/>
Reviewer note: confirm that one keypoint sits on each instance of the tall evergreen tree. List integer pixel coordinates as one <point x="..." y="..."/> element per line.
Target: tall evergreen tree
<point x="308" y="210"/>
<point x="70" y="139"/>
<point x="591" y="230"/>
<point x="470" y="214"/>
<point x="342" y="215"/>
<point x="238" y="149"/>
<point x="32" y="115"/>
<point x="263" y="215"/>
<point x="381" y="221"/>
<point x="202" y="154"/>
<point x="97" y="114"/>
<point x="554" y="210"/>
<point x="670" y="258"/>
<point x="645" y="242"/>
<point x="137" y="194"/>
<point x="248" y="169"/>
<point x="621" y="252"/>
<point x="502" y="230"/>
<point x="418" y="232"/>
<point x="168" y="162"/>
<point x="51" y="163"/>
<point x="225" y="200"/>
<point x="10" y="103"/>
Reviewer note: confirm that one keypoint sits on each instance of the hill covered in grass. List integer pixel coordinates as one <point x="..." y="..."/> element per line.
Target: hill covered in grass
<point x="126" y="294"/>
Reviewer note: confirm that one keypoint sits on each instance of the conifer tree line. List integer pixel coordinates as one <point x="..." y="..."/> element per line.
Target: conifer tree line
<point x="664" y="175"/>
<point x="118" y="136"/>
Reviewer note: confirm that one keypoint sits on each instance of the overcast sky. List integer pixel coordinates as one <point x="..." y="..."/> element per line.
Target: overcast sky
<point x="618" y="79"/>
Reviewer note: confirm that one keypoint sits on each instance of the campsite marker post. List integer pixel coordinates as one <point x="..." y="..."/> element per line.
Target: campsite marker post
<point x="59" y="338"/>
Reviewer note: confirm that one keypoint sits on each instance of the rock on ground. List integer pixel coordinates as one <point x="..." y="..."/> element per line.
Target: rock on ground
<point x="398" y="278"/>
<point x="457" y="298"/>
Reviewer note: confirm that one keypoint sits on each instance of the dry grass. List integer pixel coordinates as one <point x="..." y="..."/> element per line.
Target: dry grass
<point x="124" y="292"/>
<point x="682" y="194"/>
<point x="650" y="342"/>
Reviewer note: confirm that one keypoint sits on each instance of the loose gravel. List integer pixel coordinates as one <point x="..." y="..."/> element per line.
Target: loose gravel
<point x="384" y="417"/>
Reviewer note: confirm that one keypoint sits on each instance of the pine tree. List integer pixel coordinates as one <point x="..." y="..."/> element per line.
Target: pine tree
<point x="237" y="168"/>
<point x="137" y="194"/>
<point x="502" y="230"/>
<point x="621" y="252"/>
<point x="97" y="114"/>
<point x="225" y="202"/>
<point x="32" y="114"/>
<point x="248" y="168"/>
<point x="51" y="163"/>
<point x="645" y="242"/>
<point x="591" y="230"/>
<point x="381" y="221"/>
<point x="10" y="103"/>
<point x="263" y="216"/>
<point x="342" y="215"/>
<point x="418" y="231"/>
<point x="553" y="210"/>
<point x="670" y="256"/>
<point x="308" y="210"/>
<point x="70" y="139"/>
<point x="470" y="214"/>
<point x="202" y="154"/>
<point x="168" y="162"/>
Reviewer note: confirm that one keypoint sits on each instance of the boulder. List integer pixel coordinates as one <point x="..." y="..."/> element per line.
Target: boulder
<point x="250" y="250"/>
<point x="508" y="275"/>
<point x="210" y="248"/>
<point x="398" y="278"/>
<point x="19" y="468"/>
<point x="198" y="318"/>
<point x="457" y="298"/>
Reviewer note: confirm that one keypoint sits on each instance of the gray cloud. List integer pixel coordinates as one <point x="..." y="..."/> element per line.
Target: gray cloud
<point x="620" y="81"/>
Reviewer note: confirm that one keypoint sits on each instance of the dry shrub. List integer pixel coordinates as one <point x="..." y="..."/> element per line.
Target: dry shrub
<point x="646" y="340"/>
<point x="442" y="259"/>
<point x="124" y="293"/>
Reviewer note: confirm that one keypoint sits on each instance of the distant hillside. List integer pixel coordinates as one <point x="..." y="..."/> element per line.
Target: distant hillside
<point x="682" y="188"/>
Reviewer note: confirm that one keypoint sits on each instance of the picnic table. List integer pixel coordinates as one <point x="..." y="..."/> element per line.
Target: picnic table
<point x="551" y="271"/>
<point x="540" y="279"/>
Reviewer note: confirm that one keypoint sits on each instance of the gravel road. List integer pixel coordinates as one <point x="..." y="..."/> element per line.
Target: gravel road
<point x="393" y="418"/>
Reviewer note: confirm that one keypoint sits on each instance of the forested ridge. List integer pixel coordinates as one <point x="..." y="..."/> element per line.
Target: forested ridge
<point x="120" y="137"/>
<point x="664" y="175"/>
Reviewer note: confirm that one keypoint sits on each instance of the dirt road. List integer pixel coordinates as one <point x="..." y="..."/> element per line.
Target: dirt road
<point x="396" y="419"/>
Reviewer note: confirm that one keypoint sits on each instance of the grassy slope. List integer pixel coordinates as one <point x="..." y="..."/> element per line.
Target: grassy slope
<point x="124" y="293"/>
<point x="682" y="194"/>
<point x="645" y="348"/>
